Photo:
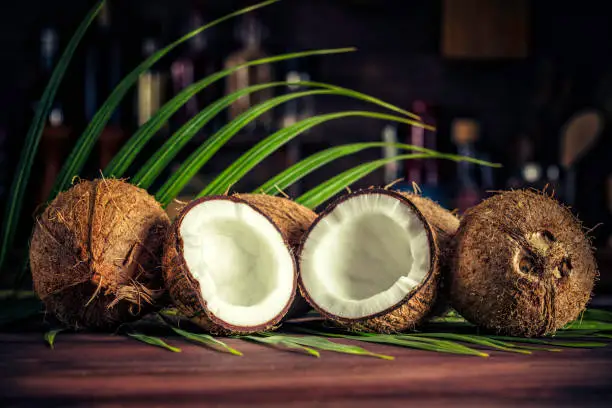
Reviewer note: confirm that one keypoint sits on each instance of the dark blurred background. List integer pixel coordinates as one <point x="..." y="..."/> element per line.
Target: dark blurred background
<point x="524" y="83"/>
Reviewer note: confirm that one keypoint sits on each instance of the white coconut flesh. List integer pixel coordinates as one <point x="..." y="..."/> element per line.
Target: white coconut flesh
<point x="365" y="256"/>
<point x="245" y="270"/>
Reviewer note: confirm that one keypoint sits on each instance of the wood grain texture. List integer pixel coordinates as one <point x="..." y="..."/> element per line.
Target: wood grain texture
<point x="103" y="370"/>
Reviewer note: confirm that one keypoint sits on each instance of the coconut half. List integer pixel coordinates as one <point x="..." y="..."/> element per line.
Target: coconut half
<point x="523" y="265"/>
<point x="96" y="254"/>
<point x="229" y="263"/>
<point x="370" y="262"/>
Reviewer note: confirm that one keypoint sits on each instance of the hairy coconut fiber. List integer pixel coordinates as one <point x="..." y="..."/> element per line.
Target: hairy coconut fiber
<point x="291" y="220"/>
<point x="445" y="224"/>
<point x="523" y="265"/>
<point x="96" y="254"/>
<point x="418" y="304"/>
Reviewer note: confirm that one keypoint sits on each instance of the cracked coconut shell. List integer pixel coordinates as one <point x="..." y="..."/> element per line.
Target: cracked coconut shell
<point x="96" y="253"/>
<point x="445" y="225"/>
<point x="523" y="265"/>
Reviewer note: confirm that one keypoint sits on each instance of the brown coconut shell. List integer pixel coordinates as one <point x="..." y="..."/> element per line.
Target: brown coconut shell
<point x="96" y="254"/>
<point x="523" y="265"/>
<point x="290" y="219"/>
<point x="411" y="311"/>
<point x="445" y="224"/>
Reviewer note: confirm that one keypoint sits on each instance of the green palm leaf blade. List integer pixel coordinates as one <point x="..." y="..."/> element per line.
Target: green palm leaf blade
<point x="478" y="340"/>
<point x="324" y="191"/>
<point x="124" y="158"/>
<point x="313" y="162"/>
<point x="329" y="188"/>
<point x="163" y="156"/>
<point x="154" y="341"/>
<point x="207" y="340"/>
<point x="86" y="142"/>
<point x="322" y="343"/>
<point x="419" y="343"/>
<point x="282" y="341"/>
<point x="206" y="150"/>
<point x="597" y="315"/>
<point x="440" y="346"/>
<point x="160" y="160"/>
<point x="588" y="325"/>
<point x="552" y="342"/>
<point x="306" y="166"/>
<point x="269" y="145"/>
<point x="32" y="139"/>
<point x="50" y="337"/>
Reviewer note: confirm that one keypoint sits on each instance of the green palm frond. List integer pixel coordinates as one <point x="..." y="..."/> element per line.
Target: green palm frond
<point x="331" y="187"/>
<point x="233" y="173"/>
<point x="122" y="160"/>
<point x="324" y="191"/>
<point x="306" y="166"/>
<point x="160" y="159"/>
<point x="206" y="150"/>
<point x="84" y="145"/>
<point x="32" y="139"/>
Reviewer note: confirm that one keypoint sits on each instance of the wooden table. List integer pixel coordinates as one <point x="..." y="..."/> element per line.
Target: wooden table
<point x="106" y="370"/>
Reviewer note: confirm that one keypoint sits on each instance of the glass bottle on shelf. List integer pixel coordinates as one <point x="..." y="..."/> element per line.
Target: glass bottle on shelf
<point x="465" y="132"/>
<point x="427" y="138"/>
<point x="293" y="112"/>
<point x="56" y="133"/>
<point x="102" y="74"/>
<point x="250" y="33"/>
<point x="151" y="87"/>
<point x="414" y="168"/>
<point x="191" y="64"/>
<point x="392" y="170"/>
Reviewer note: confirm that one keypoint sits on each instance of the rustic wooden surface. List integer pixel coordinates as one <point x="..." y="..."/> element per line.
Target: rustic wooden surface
<point x="106" y="370"/>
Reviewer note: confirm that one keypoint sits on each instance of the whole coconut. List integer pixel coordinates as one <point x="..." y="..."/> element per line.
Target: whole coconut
<point x="523" y="265"/>
<point x="96" y="254"/>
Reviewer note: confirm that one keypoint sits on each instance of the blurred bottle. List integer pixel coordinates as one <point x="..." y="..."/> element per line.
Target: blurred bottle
<point x="465" y="132"/>
<point x="151" y="88"/>
<point x="250" y="33"/>
<point x="192" y="65"/>
<point x="293" y="112"/>
<point x="529" y="172"/>
<point x="392" y="169"/>
<point x="56" y="133"/>
<point x="102" y="75"/>
<point x="416" y="137"/>
<point x="430" y="181"/>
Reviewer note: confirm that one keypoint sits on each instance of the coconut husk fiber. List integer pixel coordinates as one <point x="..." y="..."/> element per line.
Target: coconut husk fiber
<point x="523" y="265"/>
<point x="291" y="220"/>
<point x="445" y="225"/>
<point x="96" y="254"/>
